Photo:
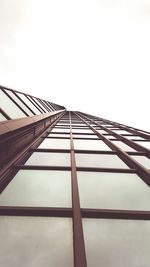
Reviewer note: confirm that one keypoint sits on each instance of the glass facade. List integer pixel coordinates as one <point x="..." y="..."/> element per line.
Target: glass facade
<point x="69" y="197"/>
<point x="116" y="242"/>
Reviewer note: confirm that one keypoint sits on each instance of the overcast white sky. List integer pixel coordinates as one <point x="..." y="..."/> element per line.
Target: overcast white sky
<point x="92" y="55"/>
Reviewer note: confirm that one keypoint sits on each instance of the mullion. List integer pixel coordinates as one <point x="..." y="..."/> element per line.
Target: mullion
<point x="125" y="127"/>
<point x="23" y="102"/>
<point x="38" y="104"/>
<point x="33" y="102"/>
<point x="14" y="102"/>
<point x="4" y="114"/>
<point x="141" y="170"/>
<point x="22" y="156"/>
<point x="43" y="104"/>
<point x="68" y="168"/>
<point x="125" y="140"/>
<point x="79" y="246"/>
<point x="67" y="212"/>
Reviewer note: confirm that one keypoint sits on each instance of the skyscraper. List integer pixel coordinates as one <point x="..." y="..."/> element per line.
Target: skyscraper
<point x="74" y="187"/>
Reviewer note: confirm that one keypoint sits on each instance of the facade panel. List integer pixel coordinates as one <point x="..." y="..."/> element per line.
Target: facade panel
<point x="74" y="187"/>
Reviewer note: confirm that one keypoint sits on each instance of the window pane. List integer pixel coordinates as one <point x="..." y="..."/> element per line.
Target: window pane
<point x="27" y="101"/>
<point x="121" y="132"/>
<point x="85" y="136"/>
<point x="60" y="130"/>
<point x="2" y="118"/>
<point x="9" y="107"/>
<point x="39" y="104"/>
<point x="113" y="191"/>
<point x="50" y="159"/>
<point x="100" y="161"/>
<point x="20" y="103"/>
<point x="117" y="243"/>
<point x="90" y="145"/>
<point x="55" y="143"/>
<point x="145" y="144"/>
<point x="62" y="123"/>
<point x="102" y="131"/>
<point x="35" y="242"/>
<point x="143" y="160"/>
<point x="123" y="146"/>
<point x="62" y="127"/>
<point x="82" y="131"/>
<point x="134" y="137"/>
<point x="59" y="135"/>
<point x="38" y="188"/>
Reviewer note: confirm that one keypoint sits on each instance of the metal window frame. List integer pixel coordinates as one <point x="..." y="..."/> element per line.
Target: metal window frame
<point x="76" y="212"/>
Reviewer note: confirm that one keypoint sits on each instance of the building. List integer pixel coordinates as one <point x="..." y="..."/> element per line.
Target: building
<point x="74" y="187"/>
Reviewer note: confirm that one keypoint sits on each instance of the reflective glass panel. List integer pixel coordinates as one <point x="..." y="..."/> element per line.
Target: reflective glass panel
<point x="50" y="159"/>
<point x="35" y="242"/>
<point x="117" y="243"/>
<point x="20" y="103"/>
<point x="9" y="107"/>
<point x="123" y="146"/>
<point x="113" y="191"/>
<point x="60" y="130"/>
<point x="82" y="130"/>
<point x="90" y="145"/>
<point x="38" y="188"/>
<point x="145" y="144"/>
<point x="59" y="135"/>
<point x="39" y="104"/>
<point x="100" y="161"/>
<point x="134" y="137"/>
<point x="85" y="136"/>
<point x="120" y="131"/>
<point x="29" y="103"/>
<point x="46" y="104"/>
<point x="143" y="160"/>
<point x="102" y="131"/>
<point x="55" y="143"/>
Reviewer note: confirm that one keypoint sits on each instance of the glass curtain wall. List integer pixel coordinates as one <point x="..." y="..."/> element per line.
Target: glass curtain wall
<point x="82" y="198"/>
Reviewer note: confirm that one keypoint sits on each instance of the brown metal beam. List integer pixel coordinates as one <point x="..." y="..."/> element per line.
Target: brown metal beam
<point x="78" y="239"/>
<point x="141" y="170"/>
<point x="8" y="171"/>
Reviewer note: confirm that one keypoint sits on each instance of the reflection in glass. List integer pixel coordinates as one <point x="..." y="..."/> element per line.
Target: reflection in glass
<point x="121" y="132"/>
<point x="10" y="107"/>
<point x="35" y="242"/>
<point x="142" y="160"/>
<point x="28" y="102"/>
<point x="123" y="146"/>
<point x="50" y="159"/>
<point x="90" y="145"/>
<point x="55" y="143"/>
<point x="82" y="130"/>
<point x="100" y="161"/>
<point x="145" y="144"/>
<point x="59" y="135"/>
<point x="113" y="191"/>
<point x="117" y="243"/>
<point x="60" y="130"/>
<point x="85" y="136"/>
<point x="20" y="103"/>
<point x="38" y="188"/>
<point x="132" y="137"/>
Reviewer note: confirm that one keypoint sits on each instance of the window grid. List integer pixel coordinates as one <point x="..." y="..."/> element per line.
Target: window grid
<point x="76" y="212"/>
<point x="11" y="99"/>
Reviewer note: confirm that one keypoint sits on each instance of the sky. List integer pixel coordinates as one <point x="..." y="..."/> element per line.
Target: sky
<point x="88" y="55"/>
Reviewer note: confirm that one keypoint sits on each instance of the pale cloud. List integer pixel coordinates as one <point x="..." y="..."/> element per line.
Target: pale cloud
<point x="75" y="52"/>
